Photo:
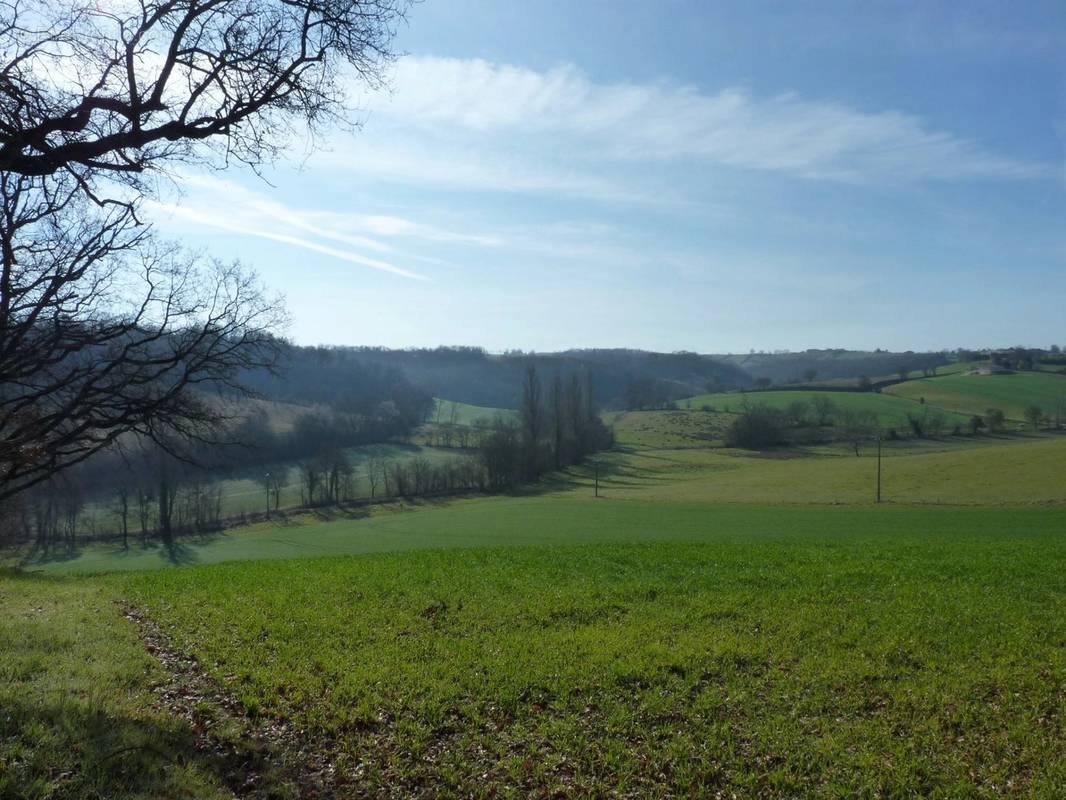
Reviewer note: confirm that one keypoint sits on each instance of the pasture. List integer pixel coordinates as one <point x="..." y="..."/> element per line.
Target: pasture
<point x="645" y="493"/>
<point x="991" y="471"/>
<point x="670" y="429"/>
<point x="975" y="394"/>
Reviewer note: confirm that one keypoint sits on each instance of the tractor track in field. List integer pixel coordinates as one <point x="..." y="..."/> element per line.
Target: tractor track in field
<point x="254" y="756"/>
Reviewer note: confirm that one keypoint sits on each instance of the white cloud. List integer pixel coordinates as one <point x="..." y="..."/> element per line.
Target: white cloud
<point x="563" y="112"/>
<point x="264" y="219"/>
<point x="211" y="202"/>
<point x="480" y="168"/>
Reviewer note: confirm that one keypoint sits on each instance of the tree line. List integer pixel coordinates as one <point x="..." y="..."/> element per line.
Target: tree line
<point x="558" y="426"/>
<point x="144" y="491"/>
<point x="759" y="426"/>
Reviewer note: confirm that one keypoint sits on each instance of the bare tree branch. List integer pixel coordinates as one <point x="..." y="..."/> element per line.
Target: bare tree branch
<point x="104" y="332"/>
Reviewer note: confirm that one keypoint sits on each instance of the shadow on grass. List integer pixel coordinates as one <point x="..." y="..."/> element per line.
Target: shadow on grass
<point x="178" y="550"/>
<point x="99" y="753"/>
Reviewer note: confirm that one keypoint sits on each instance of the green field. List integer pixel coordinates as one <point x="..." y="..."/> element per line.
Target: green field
<point x="992" y="472"/>
<point x="669" y="429"/>
<point x="644" y="491"/>
<point x="716" y="623"/>
<point x="892" y="411"/>
<point x="466" y="414"/>
<point x="975" y="394"/>
<point x="244" y="493"/>
<point x="818" y="652"/>
<point x="785" y="661"/>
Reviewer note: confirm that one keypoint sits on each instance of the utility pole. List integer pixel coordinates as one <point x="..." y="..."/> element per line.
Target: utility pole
<point x="878" y="469"/>
<point x="267" y="482"/>
<point x="596" y="465"/>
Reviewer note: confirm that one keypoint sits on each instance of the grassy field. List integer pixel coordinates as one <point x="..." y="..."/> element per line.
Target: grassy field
<point x="669" y="429"/>
<point x="993" y="472"/>
<point x="466" y="414"/>
<point x="923" y="654"/>
<point x="974" y="394"/>
<point x="77" y="717"/>
<point x="645" y="493"/>
<point x="815" y="651"/>
<point x="892" y="411"/>
<point x="244" y="493"/>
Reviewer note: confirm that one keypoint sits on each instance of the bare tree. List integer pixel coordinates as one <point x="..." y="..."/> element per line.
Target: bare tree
<point x="273" y="482"/>
<point x="84" y="360"/>
<point x="824" y="409"/>
<point x="145" y="500"/>
<point x="373" y="471"/>
<point x="105" y="334"/>
<point x="1034" y="415"/>
<point x="122" y="508"/>
<point x="279" y="479"/>
<point x="386" y="475"/>
<point x="311" y="479"/>
<point x="859" y="426"/>
<point x="152" y="79"/>
<point x="558" y="420"/>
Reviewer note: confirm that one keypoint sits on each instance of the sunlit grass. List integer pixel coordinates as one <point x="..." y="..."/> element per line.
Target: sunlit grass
<point x="906" y="658"/>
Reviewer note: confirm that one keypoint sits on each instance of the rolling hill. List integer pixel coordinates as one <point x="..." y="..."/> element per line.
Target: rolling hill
<point x="975" y="394"/>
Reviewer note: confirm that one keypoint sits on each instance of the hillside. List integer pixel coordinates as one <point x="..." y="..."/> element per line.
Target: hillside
<point x="892" y="411"/>
<point x="975" y="394"/>
<point x="831" y="364"/>
<point x="473" y="376"/>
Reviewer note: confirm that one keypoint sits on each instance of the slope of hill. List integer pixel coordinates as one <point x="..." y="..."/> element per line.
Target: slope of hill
<point x="470" y="375"/>
<point x="975" y="394"/>
<point x="831" y="364"/>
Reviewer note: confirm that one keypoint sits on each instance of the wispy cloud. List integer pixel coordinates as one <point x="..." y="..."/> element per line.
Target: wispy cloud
<point x="211" y="202"/>
<point x="206" y="219"/>
<point x="561" y="110"/>
<point x="452" y="163"/>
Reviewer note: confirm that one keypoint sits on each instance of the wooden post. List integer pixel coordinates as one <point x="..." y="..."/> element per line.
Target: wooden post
<point x="597" y="467"/>
<point x="267" y="482"/>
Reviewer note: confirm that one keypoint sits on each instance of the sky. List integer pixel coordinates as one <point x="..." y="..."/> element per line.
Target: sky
<point x="702" y="176"/>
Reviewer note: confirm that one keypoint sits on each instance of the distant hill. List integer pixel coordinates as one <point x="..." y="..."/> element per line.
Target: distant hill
<point x="471" y="375"/>
<point x="830" y="364"/>
<point x="358" y="379"/>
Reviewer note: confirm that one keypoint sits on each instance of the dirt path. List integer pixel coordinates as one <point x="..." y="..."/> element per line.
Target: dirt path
<point x="256" y="757"/>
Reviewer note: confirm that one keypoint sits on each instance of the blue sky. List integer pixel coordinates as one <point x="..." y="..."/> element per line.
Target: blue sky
<point x="697" y="176"/>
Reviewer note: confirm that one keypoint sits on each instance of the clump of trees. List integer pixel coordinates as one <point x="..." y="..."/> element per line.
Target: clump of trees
<point x="995" y="420"/>
<point x="556" y="428"/>
<point x="860" y="426"/>
<point x="757" y="427"/>
<point x="929" y="424"/>
<point x="1035" y="416"/>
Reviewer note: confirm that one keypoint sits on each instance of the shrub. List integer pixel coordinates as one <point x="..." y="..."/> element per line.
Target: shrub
<point x="995" y="419"/>
<point x="756" y="428"/>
